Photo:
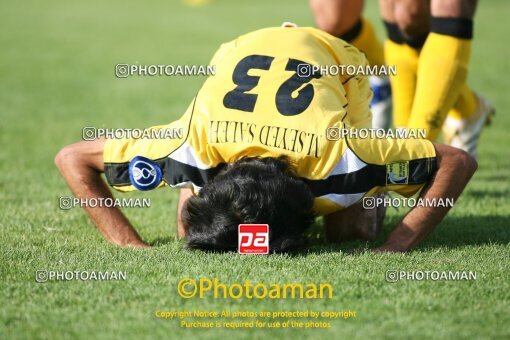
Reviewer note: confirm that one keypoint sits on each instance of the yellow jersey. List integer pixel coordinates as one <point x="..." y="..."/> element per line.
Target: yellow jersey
<point x="263" y="100"/>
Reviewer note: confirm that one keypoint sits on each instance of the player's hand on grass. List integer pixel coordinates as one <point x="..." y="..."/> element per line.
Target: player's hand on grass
<point x="81" y="165"/>
<point x="455" y="169"/>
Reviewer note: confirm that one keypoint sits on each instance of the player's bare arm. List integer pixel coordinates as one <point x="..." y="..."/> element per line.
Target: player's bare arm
<point x="455" y="169"/>
<point x="81" y="165"/>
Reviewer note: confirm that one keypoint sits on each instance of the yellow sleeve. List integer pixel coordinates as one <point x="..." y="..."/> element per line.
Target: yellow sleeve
<point x="400" y="165"/>
<point x="141" y="160"/>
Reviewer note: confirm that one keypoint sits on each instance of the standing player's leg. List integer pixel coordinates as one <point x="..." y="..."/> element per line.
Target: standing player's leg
<point x="343" y="19"/>
<point x="407" y="23"/>
<point x="407" y="28"/>
<point x="465" y="121"/>
<point x="443" y="64"/>
<point x="339" y="18"/>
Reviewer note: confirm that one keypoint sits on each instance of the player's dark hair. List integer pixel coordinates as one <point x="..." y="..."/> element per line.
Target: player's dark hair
<point x="251" y="190"/>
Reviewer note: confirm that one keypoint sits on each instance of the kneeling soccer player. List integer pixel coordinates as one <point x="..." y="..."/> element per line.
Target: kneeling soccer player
<point x="253" y="147"/>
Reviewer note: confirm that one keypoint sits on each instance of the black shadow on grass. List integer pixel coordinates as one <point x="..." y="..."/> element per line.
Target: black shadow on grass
<point x="454" y="232"/>
<point x="161" y="241"/>
<point x="458" y="232"/>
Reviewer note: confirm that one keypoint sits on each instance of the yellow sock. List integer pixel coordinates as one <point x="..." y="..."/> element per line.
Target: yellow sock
<point x="403" y="84"/>
<point x="442" y="70"/>
<point x="367" y="42"/>
<point x="466" y="104"/>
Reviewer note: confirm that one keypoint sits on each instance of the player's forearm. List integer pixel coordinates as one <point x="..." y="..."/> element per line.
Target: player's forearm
<point x="111" y="222"/>
<point x="79" y="166"/>
<point x="454" y="172"/>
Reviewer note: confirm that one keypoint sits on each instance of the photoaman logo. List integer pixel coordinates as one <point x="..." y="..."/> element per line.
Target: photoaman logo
<point x="253" y="239"/>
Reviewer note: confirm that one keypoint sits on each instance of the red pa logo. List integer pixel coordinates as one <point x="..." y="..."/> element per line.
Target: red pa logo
<point x="253" y="239"/>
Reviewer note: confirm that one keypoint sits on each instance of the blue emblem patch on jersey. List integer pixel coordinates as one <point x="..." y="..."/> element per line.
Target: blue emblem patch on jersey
<point x="144" y="173"/>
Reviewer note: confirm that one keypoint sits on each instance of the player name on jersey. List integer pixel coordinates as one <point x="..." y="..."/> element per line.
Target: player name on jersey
<point x="294" y="140"/>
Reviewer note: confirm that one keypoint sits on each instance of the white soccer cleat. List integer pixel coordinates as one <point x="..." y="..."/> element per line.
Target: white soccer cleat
<point x="464" y="133"/>
<point x="381" y="104"/>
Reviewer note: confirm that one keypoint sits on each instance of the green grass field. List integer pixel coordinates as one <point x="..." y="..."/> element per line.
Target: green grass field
<point x="57" y="75"/>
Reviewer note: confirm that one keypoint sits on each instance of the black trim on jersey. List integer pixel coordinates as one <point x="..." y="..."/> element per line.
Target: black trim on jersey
<point x="420" y="170"/>
<point x="346" y="80"/>
<point x="360" y="181"/>
<point x="355" y="182"/>
<point x="370" y="176"/>
<point x="346" y="113"/>
<point x="174" y="172"/>
<point x="117" y="174"/>
<point x="189" y="123"/>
